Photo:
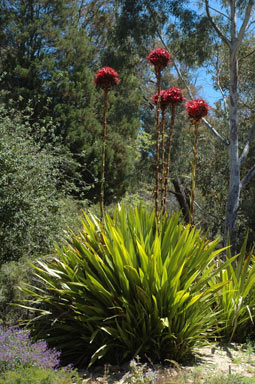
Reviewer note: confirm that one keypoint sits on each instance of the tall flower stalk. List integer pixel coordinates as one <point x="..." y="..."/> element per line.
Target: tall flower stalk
<point x="160" y="58"/>
<point x="157" y="146"/>
<point x="163" y="162"/>
<point x="103" y="153"/>
<point x="105" y="78"/>
<point x="195" y="109"/>
<point x="194" y="168"/>
<point x="163" y="104"/>
<point x="173" y="97"/>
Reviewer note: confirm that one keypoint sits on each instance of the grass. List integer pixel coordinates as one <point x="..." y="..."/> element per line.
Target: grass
<point x="36" y="375"/>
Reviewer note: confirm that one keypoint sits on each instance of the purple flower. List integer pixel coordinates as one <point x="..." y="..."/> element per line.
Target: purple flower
<point x="16" y="349"/>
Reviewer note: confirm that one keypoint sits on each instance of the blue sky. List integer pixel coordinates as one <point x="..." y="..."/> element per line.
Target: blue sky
<point x="207" y="91"/>
<point x="204" y="80"/>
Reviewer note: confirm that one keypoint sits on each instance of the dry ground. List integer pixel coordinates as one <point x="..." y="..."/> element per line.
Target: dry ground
<point x="234" y="359"/>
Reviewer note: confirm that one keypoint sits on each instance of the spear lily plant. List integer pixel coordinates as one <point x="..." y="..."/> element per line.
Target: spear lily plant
<point x="131" y="287"/>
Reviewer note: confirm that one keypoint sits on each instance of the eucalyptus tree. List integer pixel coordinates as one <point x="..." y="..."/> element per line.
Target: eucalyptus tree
<point x="233" y="36"/>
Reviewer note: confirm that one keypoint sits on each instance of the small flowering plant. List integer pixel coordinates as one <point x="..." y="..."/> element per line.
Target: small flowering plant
<point x="160" y="58"/>
<point x="106" y="78"/>
<point x="139" y="373"/>
<point x="17" y="350"/>
<point x="196" y="109"/>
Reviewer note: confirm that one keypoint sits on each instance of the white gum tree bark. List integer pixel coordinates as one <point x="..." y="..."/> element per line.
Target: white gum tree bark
<point x="233" y="42"/>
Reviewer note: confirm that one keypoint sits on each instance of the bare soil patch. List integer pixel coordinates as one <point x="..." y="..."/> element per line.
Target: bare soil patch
<point x="232" y="359"/>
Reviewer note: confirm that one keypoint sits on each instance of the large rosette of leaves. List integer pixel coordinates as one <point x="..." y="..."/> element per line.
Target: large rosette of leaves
<point x="127" y="287"/>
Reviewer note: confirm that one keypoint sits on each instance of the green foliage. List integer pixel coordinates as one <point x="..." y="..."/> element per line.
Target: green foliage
<point x="189" y="33"/>
<point x="229" y="379"/>
<point x="29" y="31"/>
<point x="33" y="192"/>
<point x="235" y="304"/>
<point x="49" y="60"/>
<point x="124" y="288"/>
<point x="11" y="275"/>
<point x="34" y="375"/>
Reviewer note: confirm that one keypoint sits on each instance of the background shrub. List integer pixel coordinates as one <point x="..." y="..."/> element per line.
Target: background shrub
<point x="34" y="198"/>
<point x="11" y="275"/>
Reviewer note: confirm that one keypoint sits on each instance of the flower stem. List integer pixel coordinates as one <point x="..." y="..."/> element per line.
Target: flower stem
<point x="194" y="166"/>
<point x="163" y="163"/>
<point x="169" y="144"/>
<point x="103" y="155"/>
<point x="157" y="147"/>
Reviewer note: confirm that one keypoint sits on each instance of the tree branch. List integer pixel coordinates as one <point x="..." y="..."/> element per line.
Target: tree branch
<point x="213" y="130"/>
<point x="248" y="177"/>
<point x="249" y="54"/>
<point x="221" y="90"/>
<point x="243" y="27"/>
<point x="217" y="29"/>
<point x="206" y="122"/>
<point x="247" y="145"/>
<point x="221" y="13"/>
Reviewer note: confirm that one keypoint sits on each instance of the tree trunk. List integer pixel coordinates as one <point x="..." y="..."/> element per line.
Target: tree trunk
<point x="235" y="184"/>
<point x="183" y="199"/>
<point x="234" y="163"/>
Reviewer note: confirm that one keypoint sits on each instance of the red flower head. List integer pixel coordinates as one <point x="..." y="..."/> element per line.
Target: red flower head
<point x="174" y="96"/>
<point x="160" y="58"/>
<point x="196" y="109"/>
<point x="106" y="78"/>
<point x="171" y="96"/>
<point x="163" y="100"/>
